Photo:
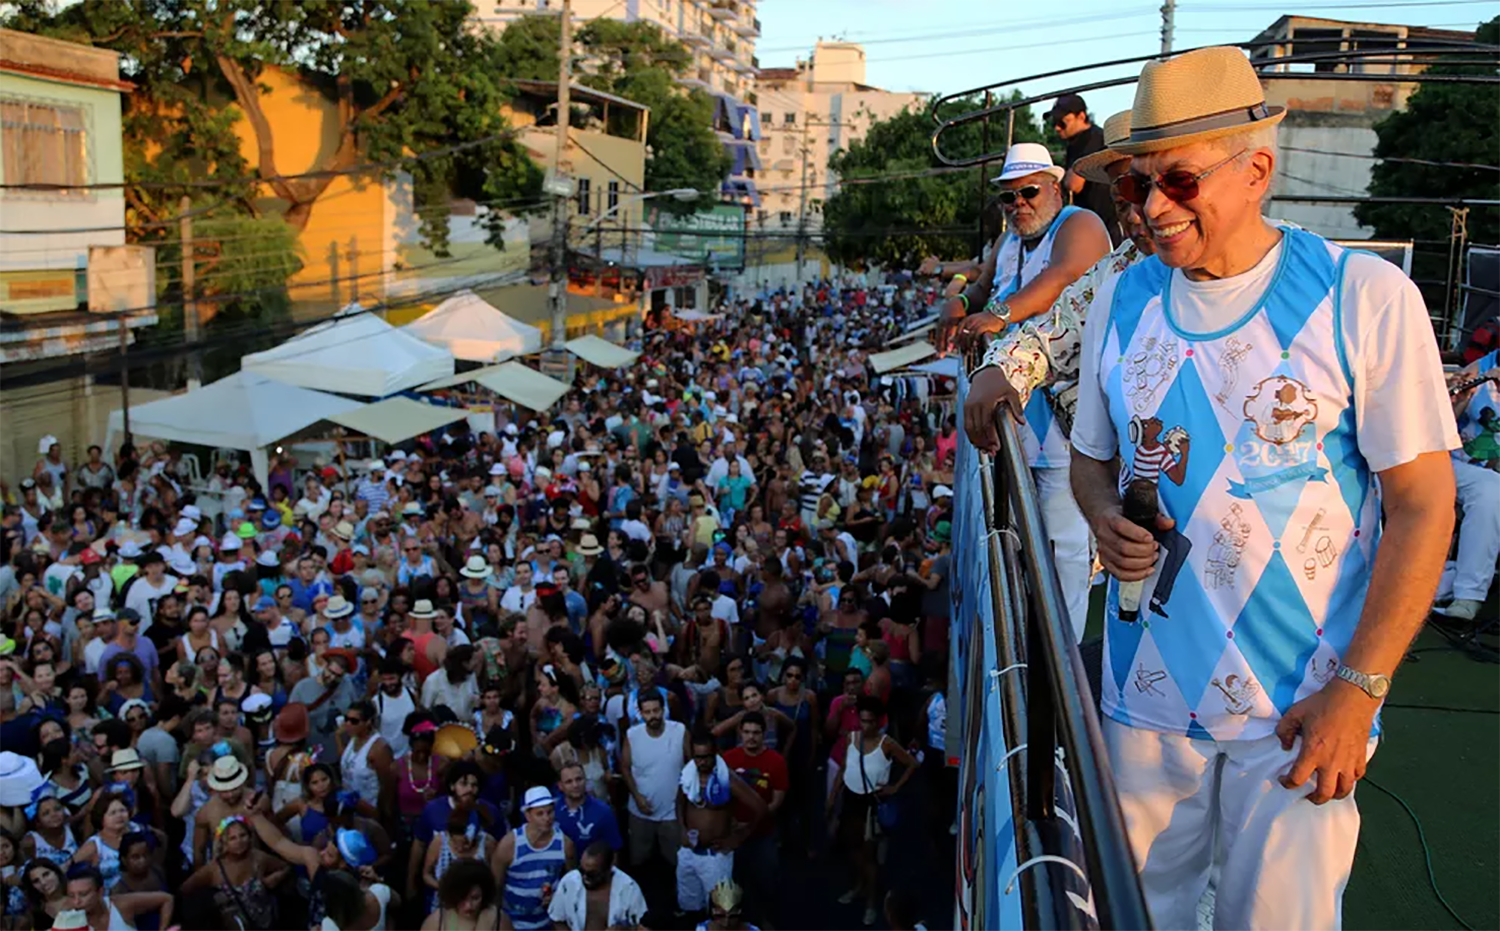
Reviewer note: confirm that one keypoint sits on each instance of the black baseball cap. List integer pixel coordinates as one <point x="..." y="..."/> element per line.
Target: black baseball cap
<point x="1067" y="103"/>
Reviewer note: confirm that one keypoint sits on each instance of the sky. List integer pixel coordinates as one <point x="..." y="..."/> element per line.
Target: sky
<point x="944" y="46"/>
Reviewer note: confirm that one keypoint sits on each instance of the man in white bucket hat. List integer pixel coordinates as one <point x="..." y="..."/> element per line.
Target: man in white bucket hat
<point x="1047" y="245"/>
<point x="1254" y="381"/>
<point x="1040" y="357"/>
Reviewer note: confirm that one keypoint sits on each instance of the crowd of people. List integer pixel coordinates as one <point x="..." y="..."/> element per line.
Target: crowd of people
<point x="636" y="654"/>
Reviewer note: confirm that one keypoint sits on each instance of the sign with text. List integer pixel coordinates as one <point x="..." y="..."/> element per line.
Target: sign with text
<point x="713" y="234"/>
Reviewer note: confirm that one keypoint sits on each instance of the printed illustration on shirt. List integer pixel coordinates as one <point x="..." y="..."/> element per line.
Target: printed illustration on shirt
<point x="1239" y="693"/>
<point x="1161" y="452"/>
<point x="1148" y="371"/>
<point x="1229" y="369"/>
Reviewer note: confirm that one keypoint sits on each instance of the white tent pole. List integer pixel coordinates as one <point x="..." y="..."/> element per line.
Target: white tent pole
<point x="261" y="466"/>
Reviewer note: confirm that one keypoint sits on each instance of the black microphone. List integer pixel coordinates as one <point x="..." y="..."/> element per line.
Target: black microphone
<point x="1141" y="508"/>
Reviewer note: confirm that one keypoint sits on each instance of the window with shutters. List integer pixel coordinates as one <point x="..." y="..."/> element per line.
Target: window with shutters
<point x="43" y="144"/>
<point x="585" y="204"/>
<point x="614" y="194"/>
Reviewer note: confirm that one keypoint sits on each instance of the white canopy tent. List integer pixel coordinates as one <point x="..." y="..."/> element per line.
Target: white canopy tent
<point x="243" y="411"/>
<point x="397" y="419"/>
<point x="355" y="353"/>
<point x="472" y="329"/>
<point x="946" y="367"/>
<point x="601" y="352"/>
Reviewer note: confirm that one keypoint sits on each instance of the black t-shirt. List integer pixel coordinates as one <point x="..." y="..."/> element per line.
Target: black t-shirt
<point x="1094" y="196"/>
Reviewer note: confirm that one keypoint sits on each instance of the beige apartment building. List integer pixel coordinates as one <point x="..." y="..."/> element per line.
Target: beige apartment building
<point x="808" y="112"/>
<point x="720" y="36"/>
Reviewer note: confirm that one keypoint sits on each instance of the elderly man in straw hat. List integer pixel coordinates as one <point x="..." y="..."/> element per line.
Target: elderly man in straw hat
<point x="1047" y="245"/>
<point x="1253" y="381"/>
<point x="1043" y="351"/>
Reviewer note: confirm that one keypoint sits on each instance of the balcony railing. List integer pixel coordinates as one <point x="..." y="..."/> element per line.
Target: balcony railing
<point x="1052" y="841"/>
<point x="724" y="10"/>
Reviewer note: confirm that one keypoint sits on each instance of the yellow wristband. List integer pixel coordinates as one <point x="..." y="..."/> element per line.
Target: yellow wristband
<point x="961" y="278"/>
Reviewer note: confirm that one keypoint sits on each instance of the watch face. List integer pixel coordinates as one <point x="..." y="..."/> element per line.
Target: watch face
<point x="1379" y="685"/>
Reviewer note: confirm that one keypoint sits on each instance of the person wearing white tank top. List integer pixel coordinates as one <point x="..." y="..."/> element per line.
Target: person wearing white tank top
<point x="651" y="760"/>
<point x="87" y="901"/>
<point x="366" y="758"/>
<point x="393" y="702"/>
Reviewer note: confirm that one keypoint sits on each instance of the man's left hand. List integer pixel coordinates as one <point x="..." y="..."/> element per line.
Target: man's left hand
<point x="1334" y="724"/>
<point x="975" y="327"/>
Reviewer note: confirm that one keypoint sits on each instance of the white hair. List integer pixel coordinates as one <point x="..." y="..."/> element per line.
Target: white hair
<point x="1251" y="140"/>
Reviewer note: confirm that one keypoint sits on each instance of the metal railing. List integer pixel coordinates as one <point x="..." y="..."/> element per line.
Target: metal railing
<point x="1432" y="51"/>
<point x="1072" y="863"/>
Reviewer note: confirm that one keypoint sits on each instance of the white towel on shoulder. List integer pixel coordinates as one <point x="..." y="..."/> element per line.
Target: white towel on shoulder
<point x="718" y="784"/>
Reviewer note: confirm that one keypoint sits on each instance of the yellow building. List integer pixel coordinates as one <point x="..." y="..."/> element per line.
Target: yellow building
<point x="351" y="242"/>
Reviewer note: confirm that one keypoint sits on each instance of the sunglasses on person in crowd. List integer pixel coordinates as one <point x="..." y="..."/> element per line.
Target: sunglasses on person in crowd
<point x="1179" y="184"/>
<point x="1029" y="192"/>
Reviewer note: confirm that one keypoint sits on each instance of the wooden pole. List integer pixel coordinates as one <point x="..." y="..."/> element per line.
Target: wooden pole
<point x="190" y="320"/>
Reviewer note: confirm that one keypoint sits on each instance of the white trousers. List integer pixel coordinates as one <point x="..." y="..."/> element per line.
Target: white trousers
<point x="698" y="873"/>
<point x="1071" y="546"/>
<point x="1285" y="860"/>
<point x="1479" y="534"/>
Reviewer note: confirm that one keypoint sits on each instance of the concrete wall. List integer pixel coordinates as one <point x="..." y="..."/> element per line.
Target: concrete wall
<point x="1308" y="172"/>
<point x="76" y="411"/>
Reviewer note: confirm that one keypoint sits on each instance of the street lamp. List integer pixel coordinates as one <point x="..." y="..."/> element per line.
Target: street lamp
<point x="683" y="194"/>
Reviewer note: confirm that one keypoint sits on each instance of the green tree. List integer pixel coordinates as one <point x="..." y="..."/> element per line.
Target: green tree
<point x="639" y="62"/>
<point x="1441" y="123"/>
<point x="897" y="204"/>
<point x="407" y="77"/>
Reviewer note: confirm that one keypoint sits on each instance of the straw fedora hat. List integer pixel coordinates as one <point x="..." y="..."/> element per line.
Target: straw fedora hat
<point x="1195" y="97"/>
<point x="1095" y="166"/>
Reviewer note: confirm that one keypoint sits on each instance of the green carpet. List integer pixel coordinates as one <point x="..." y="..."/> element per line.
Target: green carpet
<point x="1444" y="764"/>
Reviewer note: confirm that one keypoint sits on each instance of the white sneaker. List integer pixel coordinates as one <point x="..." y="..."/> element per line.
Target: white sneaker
<point x="848" y="897"/>
<point x="869" y="916"/>
<point x="1461" y="609"/>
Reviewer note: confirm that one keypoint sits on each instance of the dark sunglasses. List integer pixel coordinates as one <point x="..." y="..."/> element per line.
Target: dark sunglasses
<point x="1179" y="184"/>
<point x="349" y="720"/>
<point x="1029" y="192"/>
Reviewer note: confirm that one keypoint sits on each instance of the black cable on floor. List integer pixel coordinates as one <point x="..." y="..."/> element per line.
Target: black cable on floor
<point x="1426" y="851"/>
<point x="1391" y="704"/>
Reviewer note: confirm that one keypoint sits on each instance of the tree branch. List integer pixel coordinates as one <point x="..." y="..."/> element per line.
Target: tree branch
<point x="247" y="95"/>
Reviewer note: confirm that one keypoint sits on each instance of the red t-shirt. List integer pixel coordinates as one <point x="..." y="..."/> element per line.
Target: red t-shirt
<point x="766" y="773"/>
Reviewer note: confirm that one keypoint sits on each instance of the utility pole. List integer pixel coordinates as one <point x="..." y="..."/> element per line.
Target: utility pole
<point x="1168" y="13"/>
<point x="189" y="281"/>
<point x="802" y="209"/>
<point x="557" y="287"/>
<point x="124" y="321"/>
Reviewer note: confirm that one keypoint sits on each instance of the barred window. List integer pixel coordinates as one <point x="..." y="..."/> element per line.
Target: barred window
<point x="43" y="144"/>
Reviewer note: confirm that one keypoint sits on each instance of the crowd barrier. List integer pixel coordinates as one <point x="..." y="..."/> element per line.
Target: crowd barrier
<point x="1041" y="841"/>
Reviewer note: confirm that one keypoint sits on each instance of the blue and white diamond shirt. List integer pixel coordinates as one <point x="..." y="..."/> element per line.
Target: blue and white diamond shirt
<point x="1046" y="445"/>
<point x="1263" y="434"/>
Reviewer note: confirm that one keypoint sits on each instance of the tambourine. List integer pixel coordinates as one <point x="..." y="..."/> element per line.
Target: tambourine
<point x="453" y="741"/>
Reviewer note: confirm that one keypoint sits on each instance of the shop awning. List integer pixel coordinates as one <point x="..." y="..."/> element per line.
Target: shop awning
<point x="900" y="358"/>
<point x="397" y="419"/>
<point x="525" y="386"/>
<point x="601" y="352"/>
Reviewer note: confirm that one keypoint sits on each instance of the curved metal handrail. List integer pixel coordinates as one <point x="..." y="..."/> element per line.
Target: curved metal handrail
<point x="1434" y="51"/>
<point x="1056" y="666"/>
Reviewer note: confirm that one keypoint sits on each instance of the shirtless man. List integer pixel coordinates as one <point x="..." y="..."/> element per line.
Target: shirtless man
<point x="226" y="783"/>
<point x="650" y="594"/>
<point x="775" y="599"/>
<point x="709" y="831"/>
<point x="704" y="642"/>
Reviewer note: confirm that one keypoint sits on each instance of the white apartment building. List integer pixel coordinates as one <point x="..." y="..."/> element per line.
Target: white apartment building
<point x="809" y="112"/>
<point x="720" y="36"/>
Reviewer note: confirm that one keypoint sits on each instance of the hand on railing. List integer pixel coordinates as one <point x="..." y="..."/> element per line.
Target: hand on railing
<point x="989" y="392"/>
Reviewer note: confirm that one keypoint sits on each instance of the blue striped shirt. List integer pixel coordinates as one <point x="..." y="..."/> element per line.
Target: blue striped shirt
<point x="530" y="870"/>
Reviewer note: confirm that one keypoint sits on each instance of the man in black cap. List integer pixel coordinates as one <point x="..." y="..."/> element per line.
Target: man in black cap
<point x="1069" y="117"/>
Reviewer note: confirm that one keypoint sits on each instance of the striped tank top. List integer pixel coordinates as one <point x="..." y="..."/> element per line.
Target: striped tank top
<point x="530" y="871"/>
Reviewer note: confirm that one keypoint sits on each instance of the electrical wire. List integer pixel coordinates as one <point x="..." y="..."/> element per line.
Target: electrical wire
<point x="1426" y="851"/>
<point x="1390" y="158"/>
